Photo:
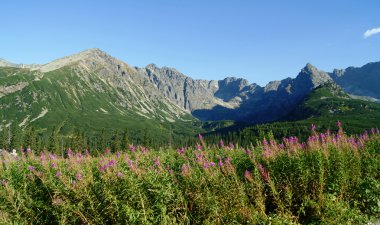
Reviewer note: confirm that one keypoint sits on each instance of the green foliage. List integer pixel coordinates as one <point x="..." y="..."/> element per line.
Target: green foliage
<point x="331" y="179"/>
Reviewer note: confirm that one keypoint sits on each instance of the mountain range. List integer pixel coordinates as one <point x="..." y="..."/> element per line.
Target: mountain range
<point x="92" y="90"/>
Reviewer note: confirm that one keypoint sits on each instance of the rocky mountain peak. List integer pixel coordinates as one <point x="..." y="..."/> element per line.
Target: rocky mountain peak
<point x="93" y="55"/>
<point x="310" y="74"/>
<point x="151" y="66"/>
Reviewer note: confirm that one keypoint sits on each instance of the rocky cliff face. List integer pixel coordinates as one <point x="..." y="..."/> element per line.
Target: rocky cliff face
<point x="362" y="81"/>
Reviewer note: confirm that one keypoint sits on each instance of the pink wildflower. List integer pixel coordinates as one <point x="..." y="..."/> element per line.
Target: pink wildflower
<point x="248" y="175"/>
<point x="157" y="162"/>
<point x="57" y="201"/>
<point x="313" y="127"/>
<point x="69" y="153"/>
<point x="78" y="176"/>
<point x="264" y="173"/>
<point x="181" y="151"/>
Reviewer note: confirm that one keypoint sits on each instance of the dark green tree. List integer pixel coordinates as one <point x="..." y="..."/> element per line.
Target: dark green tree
<point x="146" y="138"/>
<point x="6" y="138"/>
<point x="30" y="138"/>
<point x="115" y="141"/>
<point x="16" y="139"/>
<point x="125" y="140"/>
<point x="102" y="141"/>
<point x="54" y="141"/>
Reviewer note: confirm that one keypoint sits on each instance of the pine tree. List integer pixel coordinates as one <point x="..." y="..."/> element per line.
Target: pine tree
<point x="54" y="143"/>
<point x="125" y="141"/>
<point x="6" y="138"/>
<point x="115" y="141"/>
<point x="102" y="144"/>
<point x="30" y="138"/>
<point x="16" y="138"/>
<point x="146" y="140"/>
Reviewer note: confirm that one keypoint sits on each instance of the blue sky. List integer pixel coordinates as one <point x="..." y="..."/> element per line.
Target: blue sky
<point x="256" y="40"/>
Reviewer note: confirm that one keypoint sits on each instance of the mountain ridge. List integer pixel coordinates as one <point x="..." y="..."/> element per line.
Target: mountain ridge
<point x="166" y="94"/>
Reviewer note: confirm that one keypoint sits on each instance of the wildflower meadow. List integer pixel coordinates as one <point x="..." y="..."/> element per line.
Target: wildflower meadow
<point x="332" y="178"/>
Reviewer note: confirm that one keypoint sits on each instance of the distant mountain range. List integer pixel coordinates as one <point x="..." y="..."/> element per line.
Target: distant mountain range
<point x="93" y="90"/>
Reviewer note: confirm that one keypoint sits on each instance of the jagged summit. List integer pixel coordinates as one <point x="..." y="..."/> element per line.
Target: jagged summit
<point x="312" y="76"/>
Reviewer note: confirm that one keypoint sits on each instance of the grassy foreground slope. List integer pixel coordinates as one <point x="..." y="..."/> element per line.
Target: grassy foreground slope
<point x="330" y="179"/>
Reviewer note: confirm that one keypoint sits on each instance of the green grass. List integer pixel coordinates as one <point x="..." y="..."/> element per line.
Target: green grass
<point x="331" y="179"/>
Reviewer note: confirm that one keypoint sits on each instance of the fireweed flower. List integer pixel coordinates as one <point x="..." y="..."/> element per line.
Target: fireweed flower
<point x="264" y="173"/>
<point x="58" y="174"/>
<point x="221" y="143"/>
<point x="211" y="164"/>
<point x="119" y="174"/>
<point x="130" y="163"/>
<point x="102" y="168"/>
<point x="52" y="156"/>
<point x="144" y="150"/>
<point x="313" y="127"/>
<point x="69" y="153"/>
<point x="185" y="170"/>
<point x="339" y="124"/>
<point x="200" y="137"/>
<point x="42" y="157"/>
<point x="57" y="201"/>
<point x="112" y="162"/>
<point x="220" y="163"/>
<point x="54" y="166"/>
<point x="31" y="168"/>
<point x="181" y="151"/>
<point x="157" y="162"/>
<point x="78" y="176"/>
<point x="132" y="148"/>
<point x="28" y="151"/>
<point x="232" y="146"/>
<point x="199" y="147"/>
<point x="248" y="175"/>
<point x="247" y="151"/>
